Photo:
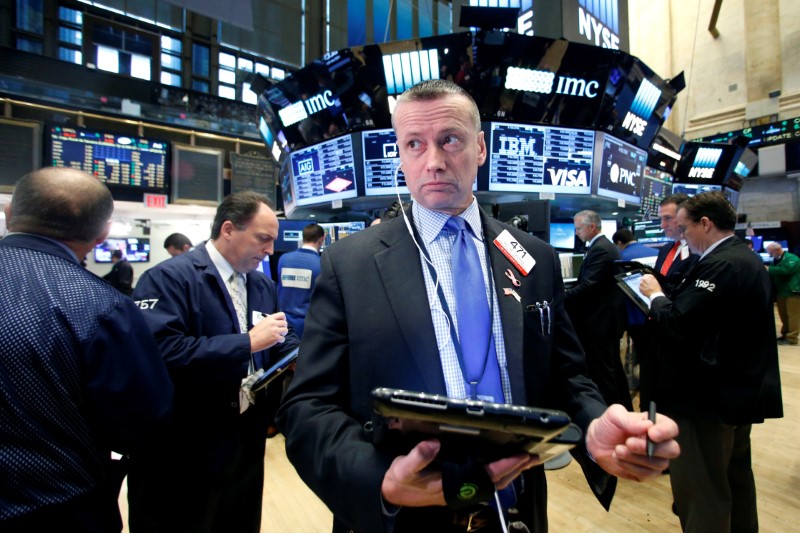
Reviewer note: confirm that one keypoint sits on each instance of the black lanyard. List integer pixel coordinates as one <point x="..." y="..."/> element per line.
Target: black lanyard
<point x="469" y="380"/>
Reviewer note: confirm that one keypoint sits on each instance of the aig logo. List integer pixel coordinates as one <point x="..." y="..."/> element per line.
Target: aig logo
<point x="305" y="166"/>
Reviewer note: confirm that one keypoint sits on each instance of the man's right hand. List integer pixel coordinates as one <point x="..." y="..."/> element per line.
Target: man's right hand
<point x="410" y="483"/>
<point x="271" y="330"/>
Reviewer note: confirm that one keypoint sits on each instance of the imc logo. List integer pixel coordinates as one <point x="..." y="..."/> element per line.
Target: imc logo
<point x="705" y="162"/>
<point x="301" y="110"/>
<point x="305" y="166"/>
<point x="515" y="146"/>
<point x="541" y="81"/>
<point x="598" y="21"/>
<point x="644" y="103"/>
<point x="390" y="150"/>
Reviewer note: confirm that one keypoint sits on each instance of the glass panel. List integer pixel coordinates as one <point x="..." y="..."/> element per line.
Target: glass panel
<point x="200" y="86"/>
<point x="30" y="17"/>
<point x="226" y="91"/>
<point x="29" y="45"/>
<point x="140" y="67"/>
<point x="68" y="54"/>
<point x="67" y="35"/>
<point x="227" y="76"/>
<point x="248" y="96"/>
<point x="245" y="64"/>
<point x="262" y="69"/>
<point x="227" y="60"/>
<point x="200" y="57"/>
<point x="107" y="59"/>
<point x="278" y="73"/>
<point x="70" y="15"/>
<point x="170" y="61"/>
<point x="168" y="43"/>
<point x="168" y="78"/>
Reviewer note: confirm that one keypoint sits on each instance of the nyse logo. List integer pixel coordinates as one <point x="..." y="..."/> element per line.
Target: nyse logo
<point x="517" y="147"/>
<point x="644" y="103"/>
<point x="620" y="174"/>
<point x="705" y="162"/>
<point x="305" y="166"/>
<point x="390" y="150"/>
<point x="568" y="178"/>
<point x="604" y="35"/>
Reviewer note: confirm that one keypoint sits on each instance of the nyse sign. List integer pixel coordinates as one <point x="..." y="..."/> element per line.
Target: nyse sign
<point x="595" y="31"/>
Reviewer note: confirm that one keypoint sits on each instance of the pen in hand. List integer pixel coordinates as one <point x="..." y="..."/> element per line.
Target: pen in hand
<point x="651" y="416"/>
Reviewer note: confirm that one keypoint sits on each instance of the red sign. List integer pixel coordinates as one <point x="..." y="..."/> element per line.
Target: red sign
<point x="155" y="200"/>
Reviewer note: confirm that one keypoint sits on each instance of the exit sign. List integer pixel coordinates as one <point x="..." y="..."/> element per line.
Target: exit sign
<point x="155" y="200"/>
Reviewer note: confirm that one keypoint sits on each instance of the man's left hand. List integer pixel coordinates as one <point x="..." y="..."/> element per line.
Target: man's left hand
<point x="617" y="442"/>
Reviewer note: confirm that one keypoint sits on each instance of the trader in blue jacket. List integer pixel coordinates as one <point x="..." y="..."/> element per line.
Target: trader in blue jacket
<point x="214" y="318"/>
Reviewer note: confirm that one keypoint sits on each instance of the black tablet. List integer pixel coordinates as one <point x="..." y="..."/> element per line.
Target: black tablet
<point x="484" y="430"/>
<point x="629" y="283"/>
<point x="275" y="370"/>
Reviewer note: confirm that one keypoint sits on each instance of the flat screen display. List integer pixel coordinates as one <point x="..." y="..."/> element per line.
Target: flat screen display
<point x="134" y="249"/>
<point x="562" y="235"/>
<point x="757" y="240"/>
<point x="324" y="172"/>
<point x="335" y="231"/>
<point x="619" y="169"/>
<point x="120" y="161"/>
<point x="706" y="164"/>
<point x="649" y="232"/>
<point x="290" y="234"/>
<point x="693" y="188"/>
<point x="381" y="158"/>
<point x="656" y="185"/>
<point x="527" y="158"/>
<point x="732" y="195"/>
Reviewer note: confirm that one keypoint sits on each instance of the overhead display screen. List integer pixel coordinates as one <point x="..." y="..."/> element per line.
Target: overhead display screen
<point x="707" y="163"/>
<point x="381" y="158"/>
<point x="528" y="158"/>
<point x="324" y="172"/>
<point x="656" y="185"/>
<point x="117" y="160"/>
<point x="619" y="169"/>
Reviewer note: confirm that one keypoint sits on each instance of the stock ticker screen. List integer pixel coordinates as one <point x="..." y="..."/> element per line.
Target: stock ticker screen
<point x="528" y="158"/>
<point x="381" y="158"/>
<point x="324" y="172"/>
<point x="656" y="186"/>
<point x="117" y="160"/>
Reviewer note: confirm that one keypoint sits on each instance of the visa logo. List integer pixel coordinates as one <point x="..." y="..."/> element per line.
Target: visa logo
<point x="305" y="166"/>
<point x="517" y="147"/>
<point x="568" y="178"/>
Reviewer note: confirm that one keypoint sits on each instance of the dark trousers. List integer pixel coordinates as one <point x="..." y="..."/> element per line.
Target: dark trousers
<point x="95" y="511"/>
<point x="604" y="364"/>
<point x="194" y="493"/>
<point x="712" y="480"/>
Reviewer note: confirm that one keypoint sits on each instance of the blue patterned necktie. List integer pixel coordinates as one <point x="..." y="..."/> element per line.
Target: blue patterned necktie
<point x="482" y="372"/>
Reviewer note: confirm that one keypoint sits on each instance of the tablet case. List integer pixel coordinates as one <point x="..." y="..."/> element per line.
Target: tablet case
<point x="629" y="283"/>
<point x="275" y="370"/>
<point x="483" y="430"/>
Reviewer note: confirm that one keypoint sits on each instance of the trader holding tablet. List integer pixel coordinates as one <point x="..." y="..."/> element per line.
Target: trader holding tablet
<point x="719" y="371"/>
<point x="387" y="312"/>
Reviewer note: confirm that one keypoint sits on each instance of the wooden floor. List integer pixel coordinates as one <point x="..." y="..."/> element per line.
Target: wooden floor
<point x="290" y="507"/>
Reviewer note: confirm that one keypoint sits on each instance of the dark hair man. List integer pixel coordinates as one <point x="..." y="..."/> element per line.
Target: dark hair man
<point x="297" y="273"/>
<point x="785" y="273"/>
<point x="719" y="371"/>
<point x="216" y="321"/>
<point x="177" y="243"/>
<point x="377" y="318"/>
<point x="121" y="275"/>
<point x="631" y="249"/>
<point x="79" y="369"/>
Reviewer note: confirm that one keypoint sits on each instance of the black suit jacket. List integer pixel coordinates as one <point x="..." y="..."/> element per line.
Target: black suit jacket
<point x="716" y="336"/>
<point x="595" y="304"/>
<point x="677" y="271"/>
<point x="369" y="325"/>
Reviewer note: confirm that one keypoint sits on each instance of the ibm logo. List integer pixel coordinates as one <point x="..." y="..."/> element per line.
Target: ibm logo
<point x="406" y="69"/>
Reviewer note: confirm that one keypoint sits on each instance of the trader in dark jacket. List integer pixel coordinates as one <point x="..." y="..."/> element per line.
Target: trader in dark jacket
<point x="378" y="319"/>
<point x="80" y="375"/>
<point x="597" y="311"/>
<point x="719" y="372"/>
<point x="215" y="319"/>
<point x="121" y="275"/>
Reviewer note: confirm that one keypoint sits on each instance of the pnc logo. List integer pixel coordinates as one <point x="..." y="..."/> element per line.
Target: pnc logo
<point x="620" y="174"/>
